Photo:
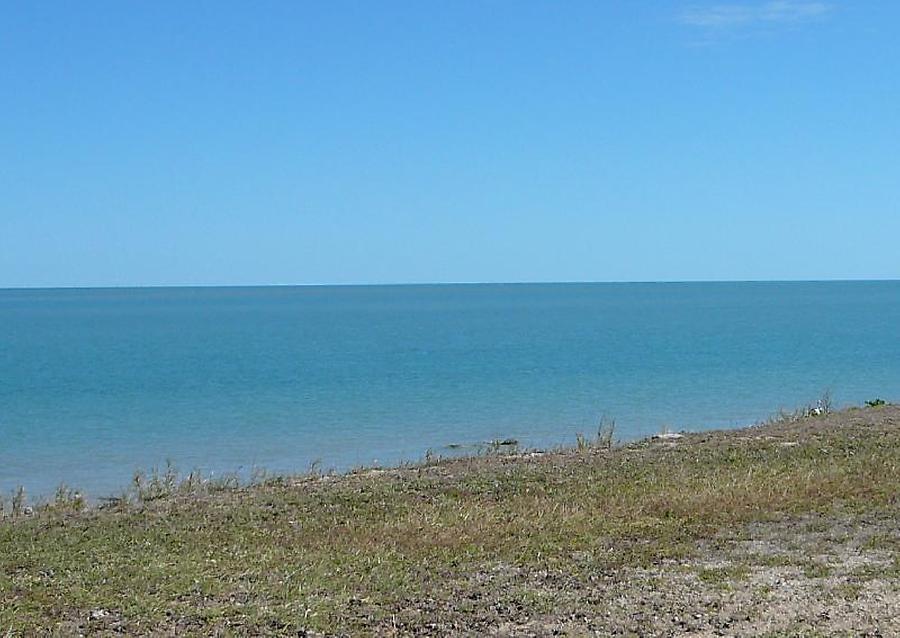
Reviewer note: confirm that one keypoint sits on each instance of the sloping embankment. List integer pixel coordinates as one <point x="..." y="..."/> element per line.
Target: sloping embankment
<point x="784" y="529"/>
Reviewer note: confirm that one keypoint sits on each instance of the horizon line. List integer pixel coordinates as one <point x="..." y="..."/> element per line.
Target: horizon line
<point x="449" y="283"/>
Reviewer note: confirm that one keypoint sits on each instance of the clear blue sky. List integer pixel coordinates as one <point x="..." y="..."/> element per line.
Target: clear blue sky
<point x="146" y="143"/>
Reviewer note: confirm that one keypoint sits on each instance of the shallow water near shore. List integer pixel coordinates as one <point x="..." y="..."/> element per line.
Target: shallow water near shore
<point x="98" y="383"/>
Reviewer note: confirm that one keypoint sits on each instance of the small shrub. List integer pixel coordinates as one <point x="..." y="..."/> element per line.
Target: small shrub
<point x="874" y="403"/>
<point x="581" y="442"/>
<point x="156" y="485"/>
<point x="824" y="405"/>
<point x="18" y="502"/>
<point x="605" y="432"/>
<point x="67" y="500"/>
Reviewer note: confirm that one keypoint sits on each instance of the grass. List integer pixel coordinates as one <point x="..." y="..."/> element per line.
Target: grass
<point x="473" y="542"/>
<point x="723" y="576"/>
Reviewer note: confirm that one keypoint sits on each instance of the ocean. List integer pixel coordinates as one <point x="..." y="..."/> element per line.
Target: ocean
<point x="96" y="384"/>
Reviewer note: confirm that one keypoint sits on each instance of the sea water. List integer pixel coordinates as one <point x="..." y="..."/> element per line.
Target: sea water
<point x="98" y="383"/>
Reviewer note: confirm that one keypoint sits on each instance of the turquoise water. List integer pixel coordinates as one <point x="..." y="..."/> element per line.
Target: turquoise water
<point x="97" y="383"/>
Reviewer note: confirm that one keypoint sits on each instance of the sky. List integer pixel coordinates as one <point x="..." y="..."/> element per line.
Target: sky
<point x="240" y="143"/>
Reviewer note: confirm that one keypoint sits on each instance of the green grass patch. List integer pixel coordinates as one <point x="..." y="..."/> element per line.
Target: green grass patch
<point x="344" y="554"/>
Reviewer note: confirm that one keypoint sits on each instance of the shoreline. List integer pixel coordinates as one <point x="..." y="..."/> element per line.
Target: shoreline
<point x="172" y="474"/>
<point x="788" y="527"/>
<point x="169" y="478"/>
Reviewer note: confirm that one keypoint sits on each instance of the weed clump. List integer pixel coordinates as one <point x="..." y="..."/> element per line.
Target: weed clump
<point x="605" y="432"/>
<point x="821" y="407"/>
<point x="19" y="500"/>
<point x="67" y="500"/>
<point x="581" y="443"/>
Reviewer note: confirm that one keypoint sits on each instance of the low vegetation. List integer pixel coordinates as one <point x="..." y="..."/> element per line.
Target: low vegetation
<point x="759" y="531"/>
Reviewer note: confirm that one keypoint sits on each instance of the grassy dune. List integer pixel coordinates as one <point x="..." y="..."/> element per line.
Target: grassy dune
<point x="791" y="528"/>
